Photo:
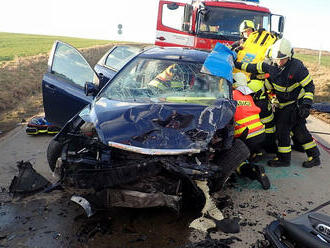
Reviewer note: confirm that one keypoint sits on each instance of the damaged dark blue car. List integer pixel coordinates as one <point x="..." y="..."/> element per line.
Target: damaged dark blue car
<point x="143" y="136"/>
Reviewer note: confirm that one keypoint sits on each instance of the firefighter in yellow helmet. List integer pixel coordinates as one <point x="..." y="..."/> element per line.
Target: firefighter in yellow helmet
<point x="167" y="79"/>
<point x="294" y="89"/>
<point x="245" y="29"/>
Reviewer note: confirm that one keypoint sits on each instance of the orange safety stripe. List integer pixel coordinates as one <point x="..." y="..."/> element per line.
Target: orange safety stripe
<point x="246" y="115"/>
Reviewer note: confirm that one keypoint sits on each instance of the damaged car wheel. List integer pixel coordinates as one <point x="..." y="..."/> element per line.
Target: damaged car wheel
<point x="53" y="153"/>
<point x="229" y="160"/>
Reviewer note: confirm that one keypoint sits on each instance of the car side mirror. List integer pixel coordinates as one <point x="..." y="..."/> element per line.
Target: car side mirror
<point x="90" y="89"/>
<point x="187" y="16"/>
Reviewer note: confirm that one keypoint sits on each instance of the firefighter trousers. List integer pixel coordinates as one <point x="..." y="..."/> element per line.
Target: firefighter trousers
<point x="267" y="118"/>
<point x="288" y="119"/>
<point x="255" y="143"/>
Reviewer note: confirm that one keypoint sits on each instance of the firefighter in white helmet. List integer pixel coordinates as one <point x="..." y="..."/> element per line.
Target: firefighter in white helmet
<point x="245" y="29"/>
<point x="294" y="89"/>
<point x="249" y="128"/>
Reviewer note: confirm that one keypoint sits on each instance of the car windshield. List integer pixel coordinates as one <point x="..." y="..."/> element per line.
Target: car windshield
<point x="155" y="80"/>
<point x="223" y="23"/>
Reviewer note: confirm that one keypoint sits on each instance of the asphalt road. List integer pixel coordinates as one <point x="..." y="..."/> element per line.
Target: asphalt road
<point x="51" y="220"/>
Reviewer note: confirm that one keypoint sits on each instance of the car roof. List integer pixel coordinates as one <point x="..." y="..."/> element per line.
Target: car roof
<point x="175" y="53"/>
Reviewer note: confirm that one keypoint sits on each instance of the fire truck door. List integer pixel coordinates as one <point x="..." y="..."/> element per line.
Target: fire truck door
<point x="171" y="30"/>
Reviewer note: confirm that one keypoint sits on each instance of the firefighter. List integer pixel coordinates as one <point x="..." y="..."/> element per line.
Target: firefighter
<point x="294" y="89"/>
<point x="245" y="28"/>
<point x="167" y="79"/>
<point x="249" y="128"/>
<point x="260" y="86"/>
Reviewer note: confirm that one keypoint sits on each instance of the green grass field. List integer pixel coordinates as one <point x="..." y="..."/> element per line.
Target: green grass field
<point x="21" y="45"/>
<point x="325" y="59"/>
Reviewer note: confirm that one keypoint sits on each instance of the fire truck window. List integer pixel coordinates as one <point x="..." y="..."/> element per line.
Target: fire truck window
<point x="265" y="24"/>
<point x="172" y="17"/>
<point x="223" y="23"/>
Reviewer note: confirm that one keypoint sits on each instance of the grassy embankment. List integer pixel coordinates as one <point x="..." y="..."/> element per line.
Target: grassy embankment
<point x="23" y="61"/>
<point x="320" y="74"/>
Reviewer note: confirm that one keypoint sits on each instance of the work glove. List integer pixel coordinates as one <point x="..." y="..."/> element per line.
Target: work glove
<point x="260" y="30"/>
<point x="304" y="110"/>
<point x="237" y="49"/>
<point x="237" y="64"/>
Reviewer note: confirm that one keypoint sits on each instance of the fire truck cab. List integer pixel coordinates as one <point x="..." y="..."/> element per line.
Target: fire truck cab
<point x="201" y="24"/>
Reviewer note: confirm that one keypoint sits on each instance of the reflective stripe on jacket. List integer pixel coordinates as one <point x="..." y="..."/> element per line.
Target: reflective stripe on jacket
<point x="291" y="83"/>
<point x="246" y="116"/>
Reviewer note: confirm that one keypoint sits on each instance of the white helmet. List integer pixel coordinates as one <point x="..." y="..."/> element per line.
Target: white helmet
<point x="240" y="79"/>
<point x="282" y="49"/>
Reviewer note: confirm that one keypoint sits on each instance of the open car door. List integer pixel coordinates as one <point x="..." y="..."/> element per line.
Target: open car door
<point x="63" y="84"/>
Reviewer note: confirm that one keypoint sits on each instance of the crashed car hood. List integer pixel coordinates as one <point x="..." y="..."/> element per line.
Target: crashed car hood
<point x="159" y="125"/>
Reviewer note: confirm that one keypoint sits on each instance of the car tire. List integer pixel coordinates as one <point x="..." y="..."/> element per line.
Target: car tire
<point x="54" y="151"/>
<point x="229" y="161"/>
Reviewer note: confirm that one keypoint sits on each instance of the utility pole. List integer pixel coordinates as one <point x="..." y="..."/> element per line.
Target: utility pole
<point x="320" y="54"/>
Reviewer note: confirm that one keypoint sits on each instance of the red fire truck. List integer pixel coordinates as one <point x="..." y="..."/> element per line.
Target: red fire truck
<point x="201" y="24"/>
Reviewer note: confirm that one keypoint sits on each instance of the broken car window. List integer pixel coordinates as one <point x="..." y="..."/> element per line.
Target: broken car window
<point x="70" y="65"/>
<point x="120" y="56"/>
<point x="158" y="80"/>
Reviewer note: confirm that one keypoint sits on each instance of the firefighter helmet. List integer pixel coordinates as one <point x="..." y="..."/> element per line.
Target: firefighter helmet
<point x="246" y="24"/>
<point x="282" y="49"/>
<point x="240" y="79"/>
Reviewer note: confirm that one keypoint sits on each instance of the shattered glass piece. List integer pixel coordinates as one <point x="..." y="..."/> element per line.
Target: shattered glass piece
<point x="154" y="80"/>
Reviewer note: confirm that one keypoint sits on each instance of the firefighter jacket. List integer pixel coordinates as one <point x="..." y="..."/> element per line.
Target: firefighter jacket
<point x="246" y="116"/>
<point x="291" y="84"/>
<point x="167" y="79"/>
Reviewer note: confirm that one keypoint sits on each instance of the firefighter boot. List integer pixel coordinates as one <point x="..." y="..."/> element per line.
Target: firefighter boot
<point x="256" y="157"/>
<point x="277" y="162"/>
<point x="261" y="176"/>
<point x="311" y="162"/>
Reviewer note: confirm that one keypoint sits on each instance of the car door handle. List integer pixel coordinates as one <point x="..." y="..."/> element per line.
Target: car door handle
<point x="162" y="38"/>
<point x="49" y="86"/>
<point x="101" y="76"/>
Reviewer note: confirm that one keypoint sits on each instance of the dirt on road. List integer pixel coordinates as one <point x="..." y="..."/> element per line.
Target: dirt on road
<point x="52" y="220"/>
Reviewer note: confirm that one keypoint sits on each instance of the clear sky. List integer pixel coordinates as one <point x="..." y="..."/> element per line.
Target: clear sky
<point x="307" y="22"/>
